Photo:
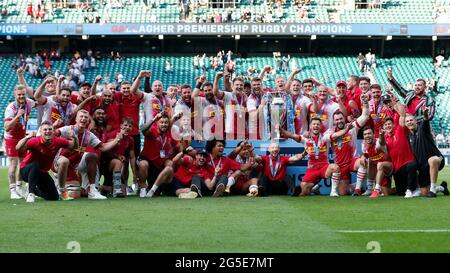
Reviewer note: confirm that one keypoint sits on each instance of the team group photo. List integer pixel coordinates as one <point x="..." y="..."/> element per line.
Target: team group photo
<point x="308" y="117"/>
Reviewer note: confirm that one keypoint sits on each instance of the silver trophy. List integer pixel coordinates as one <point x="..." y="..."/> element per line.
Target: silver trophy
<point x="277" y="108"/>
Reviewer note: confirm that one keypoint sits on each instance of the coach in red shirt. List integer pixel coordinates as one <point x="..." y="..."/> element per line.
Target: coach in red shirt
<point x="400" y="152"/>
<point x="274" y="179"/>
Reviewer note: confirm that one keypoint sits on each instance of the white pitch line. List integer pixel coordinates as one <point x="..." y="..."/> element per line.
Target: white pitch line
<point x="396" y="231"/>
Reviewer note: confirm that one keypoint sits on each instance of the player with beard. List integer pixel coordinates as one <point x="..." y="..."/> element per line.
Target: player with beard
<point x="399" y="149"/>
<point x="255" y="106"/>
<point x="155" y="161"/>
<point x="428" y="156"/>
<point x="41" y="153"/>
<point x="211" y="109"/>
<point x="416" y="100"/>
<point x="113" y="160"/>
<point x="380" y="167"/>
<point x="186" y="104"/>
<point x="69" y="164"/>
<point x="345" y="150"/>
<point x="235" y="102"/>
<point x="58" y="109"/>
<point x="16" y="118"/>
<point x="192" y="169"/>
<point x="317" y="147"/>
<point x="377" y="109"/>
<point x="111" y="107"/>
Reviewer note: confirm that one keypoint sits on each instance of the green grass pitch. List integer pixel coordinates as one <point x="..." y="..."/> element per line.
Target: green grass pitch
<point x="229" y="224"/>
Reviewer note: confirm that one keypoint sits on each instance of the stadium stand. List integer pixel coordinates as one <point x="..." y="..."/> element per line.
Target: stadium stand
<point x="326" y="69"/>
<point x="288" y="11"/>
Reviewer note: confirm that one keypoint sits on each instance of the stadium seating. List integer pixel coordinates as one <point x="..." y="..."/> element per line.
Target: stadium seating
<point x="323" y="11"/>
<point x="326" y="69"/>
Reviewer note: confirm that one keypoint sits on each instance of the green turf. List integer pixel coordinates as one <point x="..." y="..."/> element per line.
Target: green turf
<point x="231" y="224"/>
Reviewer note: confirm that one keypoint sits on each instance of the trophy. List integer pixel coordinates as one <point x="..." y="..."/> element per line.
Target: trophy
<point x="277" y="108"/>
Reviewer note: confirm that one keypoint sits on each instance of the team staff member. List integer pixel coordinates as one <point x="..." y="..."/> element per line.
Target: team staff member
<point x="192" y="166"/>
<point x="38" y="161"/>
<point x="274" y="180"/>
<point x="428" y="156"/>
<point x="399" y="149"/>
<point x="225" y="169"/>
<point x="416" y="100"/>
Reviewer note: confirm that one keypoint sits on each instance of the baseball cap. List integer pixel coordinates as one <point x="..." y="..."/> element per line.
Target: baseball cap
<point x="386" y="98"/>
<point x="341" y="82"/>
<point x="202" y="152"/>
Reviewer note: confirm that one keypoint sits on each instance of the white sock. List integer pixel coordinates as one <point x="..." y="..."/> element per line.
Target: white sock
<point x="153" y="190"/>
<point x="433" y="186"/>
<point x="93" y="188"/>
<point x="439" y="189"/>
<point x="360" y="177"/>
<point x="335" y="177"/>
<point x="12" y="187"/>
<point x="230" y="181"/>
<point x="378" y="187"/>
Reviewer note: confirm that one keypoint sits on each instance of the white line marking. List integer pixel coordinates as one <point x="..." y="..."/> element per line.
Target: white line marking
<point x="396" y="231"/>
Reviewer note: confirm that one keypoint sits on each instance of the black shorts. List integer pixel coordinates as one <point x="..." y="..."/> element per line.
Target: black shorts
<point x="424" y="173"/>
<point x="137" y="144"/>
<point x="153" y="171"/>
<point x="171" y="188"/>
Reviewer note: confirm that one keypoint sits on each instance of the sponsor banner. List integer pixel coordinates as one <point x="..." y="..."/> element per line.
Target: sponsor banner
<point x="226" y="29"/>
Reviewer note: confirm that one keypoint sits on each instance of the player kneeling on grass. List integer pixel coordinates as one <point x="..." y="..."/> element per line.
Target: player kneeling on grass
<point x="113" y="160"/>
<point x="379" y="164"/>
<point x="428" y="156"/>
<point x="274" y="180"/>
<point x="155" y="161"/>
<point x="192" y="169"/>
<point x="73" y="164"/>
<point x="316" y="147"/>
<point x="343" y="142"/>
<point x="246" y="180"/>
<point x="38" y="161"/>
